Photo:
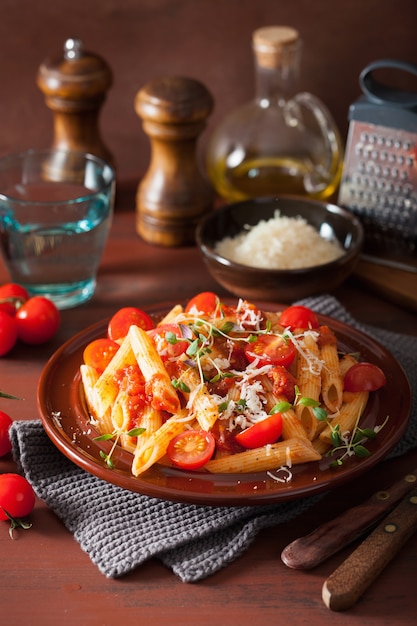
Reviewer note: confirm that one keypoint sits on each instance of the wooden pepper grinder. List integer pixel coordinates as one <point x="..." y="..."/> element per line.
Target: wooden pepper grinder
<point x="75" y="87"/>
<point x="173" y="194"/>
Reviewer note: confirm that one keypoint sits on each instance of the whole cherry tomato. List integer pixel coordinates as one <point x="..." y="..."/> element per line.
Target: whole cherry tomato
<point x="8" y="332"/>
<point x="124" y="318"/>
<point x="37" y="320"/>
<point x="5" y="443"/>
<point x="364" y="377"/>
<point x="298" y="316"/>
<point x="205" y="302"/>
<point x="12" y="296"/>
<point x="17" y="497"/>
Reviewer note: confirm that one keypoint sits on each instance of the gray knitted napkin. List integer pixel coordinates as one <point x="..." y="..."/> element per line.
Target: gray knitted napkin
<point x="119" y="529"/>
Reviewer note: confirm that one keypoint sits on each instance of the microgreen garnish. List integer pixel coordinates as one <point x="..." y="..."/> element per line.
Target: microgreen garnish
<point x="179" y="384"/>
<point x="107" y="457"/>
<point x="280" y="407"/>
<point x="351" y="443"/>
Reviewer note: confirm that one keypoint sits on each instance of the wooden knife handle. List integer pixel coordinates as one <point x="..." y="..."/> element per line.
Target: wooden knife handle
<point x="349" y="581"/>
<point x="309" y="551"/>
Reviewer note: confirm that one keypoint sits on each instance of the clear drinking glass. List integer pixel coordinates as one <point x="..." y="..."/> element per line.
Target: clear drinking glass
<point x="56" y="209"/>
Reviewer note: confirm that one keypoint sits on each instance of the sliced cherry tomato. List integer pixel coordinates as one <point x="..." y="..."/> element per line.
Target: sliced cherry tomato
<point x="37" y="320"/>
<point x="364" y="377"/>
<point x="262" y="433"/>
<point x="100" y="352"/>
<point x="17" y="497"/>
<point x="298" y="316"/>
<point x="271" y="350"/>
<point x="191" y="449"/>
<point x="125" y="318"/>
<point x="5" y="443"/>
<point x="12" y="296"/>
<point x="205" y="302"/>
<point x="8" y="332"/>
<point x="169" y="340"/>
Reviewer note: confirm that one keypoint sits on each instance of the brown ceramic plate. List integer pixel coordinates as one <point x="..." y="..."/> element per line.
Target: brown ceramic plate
<point x="65" y="420"/>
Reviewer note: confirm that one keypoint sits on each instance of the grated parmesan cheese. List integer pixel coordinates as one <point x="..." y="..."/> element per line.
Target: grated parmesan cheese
<point x="280" y="243"/>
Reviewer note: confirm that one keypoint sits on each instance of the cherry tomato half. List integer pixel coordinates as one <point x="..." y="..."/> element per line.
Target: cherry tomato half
<point x="364" y="377"/>
<point x="169" y="340"/>
<point x="100" y="352"/>
<point x="298" y="316"/>
<point x="124" y="318"/>
<point x="271" y="350"/>
<point x="12" y="296"/>
<point x="37" y="320"/>
<point x="8" y="332"/>
<point x="191" y="449"/>
<point x="262" y="433"/>
<point x="5" y="443"/>
<point x="16" y="496"/>
<point x="205" y="302"/>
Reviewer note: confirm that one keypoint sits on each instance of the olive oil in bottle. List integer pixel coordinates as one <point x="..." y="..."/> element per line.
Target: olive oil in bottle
<point x="281" y="143"/>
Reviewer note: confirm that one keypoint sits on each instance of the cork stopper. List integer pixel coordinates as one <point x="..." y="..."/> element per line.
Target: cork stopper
<point x="275" y="46"/>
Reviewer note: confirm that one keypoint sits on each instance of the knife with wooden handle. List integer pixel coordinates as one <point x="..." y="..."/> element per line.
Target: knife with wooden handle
<point x="349" y="581"/>
<point x="309" y="551"/>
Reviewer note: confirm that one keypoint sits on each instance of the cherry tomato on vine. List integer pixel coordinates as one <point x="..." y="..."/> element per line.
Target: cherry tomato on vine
<point x="37" y="320"/>
<point x="124" y="318"/>
<point x="11" y="296"/>
<point x="262" y="433"/>
<point x="5" y="443"/>
<point x="99" y="353"/>
<point x="191" y="449"/>
<point x="17" y="497"/>
<point x="270" y="350"/>
<point x="205" y="302"/>
<point x="8" y="332"/>
<point x="298" y="316"/>
<point x="169" y="340"/>
<point x="364" y="377"/>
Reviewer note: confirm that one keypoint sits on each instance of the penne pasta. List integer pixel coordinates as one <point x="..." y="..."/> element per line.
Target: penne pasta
<point x="350" y="412"/>
<point x="164" y="396"/>
<point x="308" y="375"/>
<point x="103" y="421"/>
<point x="200" y="403"/>
<point x="331" y="377"/>
<point x="289" y="452"/>
<point x="106" y="387"/>
<point x="155" y="446"/>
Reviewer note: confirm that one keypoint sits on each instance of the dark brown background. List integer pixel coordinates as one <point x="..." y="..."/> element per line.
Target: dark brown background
<point x="206" y="39"/>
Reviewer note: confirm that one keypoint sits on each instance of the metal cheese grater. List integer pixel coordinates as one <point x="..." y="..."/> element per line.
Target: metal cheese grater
<point x="379" y="180"/>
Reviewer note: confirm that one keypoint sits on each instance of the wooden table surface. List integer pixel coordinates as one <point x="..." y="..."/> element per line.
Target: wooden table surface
<point x="45" y="578"/>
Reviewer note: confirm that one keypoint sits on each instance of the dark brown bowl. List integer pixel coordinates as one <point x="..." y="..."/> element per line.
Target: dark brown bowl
<point x="280" y="285"/>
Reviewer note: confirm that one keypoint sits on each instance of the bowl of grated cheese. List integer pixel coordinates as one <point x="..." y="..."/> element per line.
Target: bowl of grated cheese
<point x="280" y="249"/>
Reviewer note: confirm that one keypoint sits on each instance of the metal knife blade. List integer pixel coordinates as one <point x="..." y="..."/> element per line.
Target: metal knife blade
<point x="311" y="550"/>
<point x="351" y="579"/>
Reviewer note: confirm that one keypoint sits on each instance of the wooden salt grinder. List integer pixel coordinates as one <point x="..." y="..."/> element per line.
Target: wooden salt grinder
<point x="75" y="87"/>
<point x="173" y="194"/>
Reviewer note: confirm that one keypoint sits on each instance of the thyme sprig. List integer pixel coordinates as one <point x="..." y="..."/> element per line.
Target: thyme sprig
<point x="107" y="457"/>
